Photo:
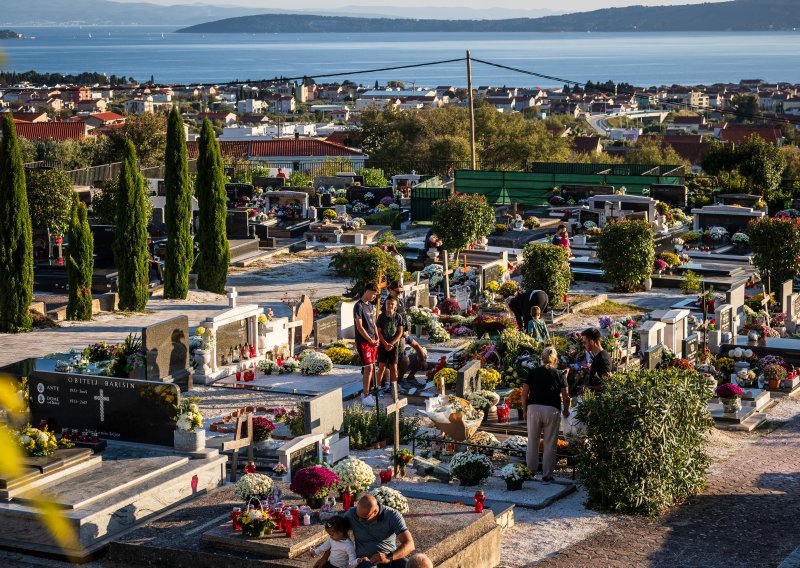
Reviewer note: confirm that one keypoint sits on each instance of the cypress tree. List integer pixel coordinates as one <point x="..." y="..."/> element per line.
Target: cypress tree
<point x="178" y="211"/>
<point x="130" y="235"/>
<point x="212" y="265"/>
<point x="80" y="264"/>
<point x="16" y="239"/>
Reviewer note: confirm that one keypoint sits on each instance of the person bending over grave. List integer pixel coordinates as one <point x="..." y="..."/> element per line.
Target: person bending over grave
<point x="521" y="305"/>
<point x="601" y="366"/>
<point x="366" y="338"/>
<point x="418" y="356"/>
<point x="380" y="533"/>
<point x="413" y="360"/>
<point x="390" y="334"/>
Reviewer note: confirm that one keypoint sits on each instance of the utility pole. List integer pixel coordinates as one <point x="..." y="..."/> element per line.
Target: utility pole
<point x="471" y="114"/>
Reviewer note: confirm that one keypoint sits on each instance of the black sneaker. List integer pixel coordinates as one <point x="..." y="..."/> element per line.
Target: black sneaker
<point x="547" y="480"/>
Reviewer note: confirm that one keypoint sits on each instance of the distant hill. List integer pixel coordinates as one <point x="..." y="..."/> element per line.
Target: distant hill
<point x="735" y="15"/>
<point x="8" y="34"/>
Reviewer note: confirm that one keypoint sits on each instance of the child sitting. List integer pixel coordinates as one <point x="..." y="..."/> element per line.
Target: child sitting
<point x="339" y="548"/>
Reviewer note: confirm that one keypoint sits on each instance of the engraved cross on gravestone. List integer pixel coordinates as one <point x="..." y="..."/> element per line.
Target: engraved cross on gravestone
<point x="102" y="399"/>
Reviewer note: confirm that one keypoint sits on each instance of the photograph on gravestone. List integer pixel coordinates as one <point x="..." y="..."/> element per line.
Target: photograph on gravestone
<point x="690" y="347"/>
<point x="231" y="336"/>
<point x="117" y="409"/>
<point x="167" y="347"/>
<point x="326" y="331"/>
<point x="303" y="457"/>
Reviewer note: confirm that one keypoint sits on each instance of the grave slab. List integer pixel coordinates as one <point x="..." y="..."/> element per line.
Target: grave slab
<point x="719" y="414"/>
<point x="341" y="376"/>
<point x="276" y="545"/>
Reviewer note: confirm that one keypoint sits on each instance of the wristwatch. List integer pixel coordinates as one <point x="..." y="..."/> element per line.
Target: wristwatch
<point x="390" y="556"/>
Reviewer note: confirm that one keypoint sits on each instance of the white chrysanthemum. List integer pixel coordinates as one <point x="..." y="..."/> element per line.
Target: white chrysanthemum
<point x="389" y="497"/>
<point x="354" y="475"/>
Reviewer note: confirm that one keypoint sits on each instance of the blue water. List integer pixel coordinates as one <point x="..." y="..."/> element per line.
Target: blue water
<point x="640" y="58"/>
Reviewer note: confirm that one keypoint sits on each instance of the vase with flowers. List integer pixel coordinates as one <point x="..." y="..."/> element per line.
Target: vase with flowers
<point x="774" y="375"/>
<point x="313" y="483"/>
<point x="731" y="397"/>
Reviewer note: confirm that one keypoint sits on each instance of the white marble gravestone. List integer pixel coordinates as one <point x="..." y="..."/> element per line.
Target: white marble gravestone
<point x="735" y="297"/>
<point x="651" y="334"/>
<point x="347" y="329"/>
<point x="676" y="329"/>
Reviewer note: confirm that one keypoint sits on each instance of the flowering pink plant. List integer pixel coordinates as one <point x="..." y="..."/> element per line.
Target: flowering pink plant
<point x="659" y="265"/>
<point x="314" y="482"/>
<point x="729" y="390"/>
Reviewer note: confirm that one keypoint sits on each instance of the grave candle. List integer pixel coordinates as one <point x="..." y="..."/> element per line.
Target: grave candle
<point x="252" y="351"/>
<point x="306" y="520"/>
<point x="287" y="523"/>
<point x="238" y="375"/>
<point x="250" y="467"/>
<point x="65" y="433"/>
<point x="235" y="514"/>
<point x="479" y="501"/>
<point x="295" y="516"/>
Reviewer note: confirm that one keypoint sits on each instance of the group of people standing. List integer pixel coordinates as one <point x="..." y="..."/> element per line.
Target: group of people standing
<point x="385" y="339"/>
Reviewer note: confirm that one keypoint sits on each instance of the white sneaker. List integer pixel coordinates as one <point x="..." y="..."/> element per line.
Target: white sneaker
<point x="368" y="400"/>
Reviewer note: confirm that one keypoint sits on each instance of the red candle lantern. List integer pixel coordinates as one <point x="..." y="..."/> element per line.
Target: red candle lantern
<point x="480" y="499"/>
<point x="250" y="467"/>
<point x="295" y="516"/>
<point x="235" y="514"/>
<point x="502" y="412"/>
<point x="386" y="476"/>
<point x="347" y="498"/>
<point x="252" y="351"/>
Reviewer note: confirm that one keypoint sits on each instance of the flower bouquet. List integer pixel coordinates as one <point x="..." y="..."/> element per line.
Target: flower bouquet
<point x="445" y="378"/>
<point x="515" y="474"/>
<point x="391" y="498"/>
<point x="454" y="416"/>
<point x="256" y="523"/>
<point x="490" y="378"/>
<point x="313" y="483"/>
<point x="354" y="476"/>
<point x="483" y="399"/>
<point x="38" y="442"/>
<point x="315" y="363"/>
<point x="470" y="468"/>
<point x="188" y="416"/>
<point x="730" y="396"/>
<point x="253" y="485"/>
<point x="437" y="333"/>
<point x="262" y="428"/>
<point x="401" y="458"/>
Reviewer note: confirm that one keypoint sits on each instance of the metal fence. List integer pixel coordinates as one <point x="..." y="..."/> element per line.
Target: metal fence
<point x="422" y="200"/>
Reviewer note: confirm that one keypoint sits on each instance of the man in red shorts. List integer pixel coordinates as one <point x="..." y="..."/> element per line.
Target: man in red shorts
<point x="366" y="338"/>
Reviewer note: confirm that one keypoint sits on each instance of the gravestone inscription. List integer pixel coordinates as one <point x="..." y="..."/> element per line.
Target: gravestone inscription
<point x="653" y="356"/>
<point x="117" y="409"/>
<point x="690" y="347"/>
<point x="326" y="331"/>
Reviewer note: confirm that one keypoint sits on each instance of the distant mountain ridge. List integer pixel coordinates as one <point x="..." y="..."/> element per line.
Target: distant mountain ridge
<point x="734" y="15"/>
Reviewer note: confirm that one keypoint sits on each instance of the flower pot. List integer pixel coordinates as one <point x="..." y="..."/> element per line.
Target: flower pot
<point x="315" y="502"/>
<point x="514" y="484"/>
<point x="189" y="441"/>
<point x="262" y="344"/>
<point x="731" y="405"/>
<point x="433" y="253"/>
<point x="774" y="384"/>
<point x="202" y="357"/>
<point x="401" y="470"/>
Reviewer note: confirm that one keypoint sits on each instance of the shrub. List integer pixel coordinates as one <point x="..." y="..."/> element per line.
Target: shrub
<point x="329" y="214"/>
<point x="340" y="201"/>
<point x="646" y="441"/>
<point x="493" y="325"/>
<point x="340" y="355"/>
<point x="500" y="228"/>
<point x="690" y="282"/>
<point x="328" y="305"/>
<point x="365" y="427"/>
<point x="50" y="200"/>
<point x="448" y="375"/>
<point x="776" y="248"/>
<point x="389" y="217"/>
<point x="470" y="468"/>
<point x="364" y="265"/>
<point x="546" y="267"/>
<point x="462" y="219"/>
<point x="626" y="252"/>
<point x="314" y="482"/>
<point x="670" y="258"/>
<point x="262" y="428"/>
<point x="510" y="288"/>
<point x="531" y="222"/>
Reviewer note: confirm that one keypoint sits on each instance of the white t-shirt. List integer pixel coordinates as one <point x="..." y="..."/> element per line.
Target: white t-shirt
<point x="343" y="553"/>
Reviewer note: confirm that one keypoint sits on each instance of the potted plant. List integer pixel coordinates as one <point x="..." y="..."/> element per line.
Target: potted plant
<point x="203" y="355"/>
<point x="262" y="431"/>
<point x="189" y="433"/>
<point x="774" y="375"/>
<point x="354" y="476"/>
<point x="515" y="474"/>
<point x="659" y="265"/>
<point x="401" y="458"/>
<point x="515" y="401"/>
<point x="730" y="396"/>
<point x="470" y="468"/>
<point x="253" y="485"/>
<point x="313" y="483"/>
<point x="392" y="498"/>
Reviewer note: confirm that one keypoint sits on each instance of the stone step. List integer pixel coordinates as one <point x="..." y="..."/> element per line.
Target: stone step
<point x="34" y="480"/>
<point x="104" y="519"/>
<point x="79" y="489"/>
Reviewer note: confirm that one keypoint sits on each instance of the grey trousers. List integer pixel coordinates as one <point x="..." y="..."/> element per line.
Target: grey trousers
<point x="543" y="420"/>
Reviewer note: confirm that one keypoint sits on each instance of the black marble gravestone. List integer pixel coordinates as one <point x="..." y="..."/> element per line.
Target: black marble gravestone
<point x="672" y="195"/>
<point x="578" y="192"/>
<point x="237" y="225"/>
<point x="690" y="345"/>
<point x="117" y="409"/>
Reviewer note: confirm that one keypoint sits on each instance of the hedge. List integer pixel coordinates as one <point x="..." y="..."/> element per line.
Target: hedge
<point x="626" y="250"/>
<point x="546" y="267"/>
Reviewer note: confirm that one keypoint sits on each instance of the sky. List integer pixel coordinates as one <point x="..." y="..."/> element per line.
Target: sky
<point x="572" y="6"/>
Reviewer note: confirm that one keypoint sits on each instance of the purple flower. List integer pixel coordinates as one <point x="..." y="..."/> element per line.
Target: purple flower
<point x="605" y="322"/>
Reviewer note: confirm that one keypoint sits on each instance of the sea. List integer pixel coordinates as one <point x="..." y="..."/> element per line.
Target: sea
<point x="642" y="59"/>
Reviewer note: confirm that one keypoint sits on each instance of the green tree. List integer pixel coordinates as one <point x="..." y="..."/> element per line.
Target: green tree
<point x="80" y="263"/>
<point x="16" y="238"/>
<point x="104" y="204"/>
<point x="748" y="106"/>
<point x="50" y="198"/>
<point x="652" y="151"/>
<point x="215" y="255"/>
<point x="178" y="212"/>
<point x="462" y="219"/>
<point x="762" y="164"/>
<point x="546" y="267"/>
<point x="130" y="235"/>
<point x="626" y="251"/>
<point x="373" y="177"/>
<point x="147" y="131"/>
<point x="776" y="249"/>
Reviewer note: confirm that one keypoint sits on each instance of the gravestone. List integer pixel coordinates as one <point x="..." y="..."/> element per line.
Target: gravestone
<point x="300" y="452"/>
<point x="653" y="356"/>
<point x="422" y="297"/>
<point x="337" y="182"/>
<point x="166" y="345"/>
<point x="262" y="182"/>
<point x="347" y="328"/>
<point x="323" y="414"/>
<point x="237" y="191"/>
<point x="690" y="347"/>
<point x="103" y="245"/>
<point x="326" y="331"/>
<point x="794" y="313"/>
<point x="785" y="294"/>
<point x="237" y="225"/>
<point x="117" y="409"/>
<point x="304" y="312"/>
<point x="724" y="316"/>
<point x="651" y="334"/>
<point x="42" y="244"/>
<point x="676" y="329"/>
<point x="735" y="297"/>
<point x="672" y="195"/>
<point x="158" y="224"/>
<point x="578" y="192"/>
<point x="468" y="379"/>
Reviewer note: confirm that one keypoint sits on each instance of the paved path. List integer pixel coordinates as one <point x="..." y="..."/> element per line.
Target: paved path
<point x="747" y="517"/>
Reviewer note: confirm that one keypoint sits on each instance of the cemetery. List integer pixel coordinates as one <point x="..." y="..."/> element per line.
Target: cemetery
<point x="236" y="421"/>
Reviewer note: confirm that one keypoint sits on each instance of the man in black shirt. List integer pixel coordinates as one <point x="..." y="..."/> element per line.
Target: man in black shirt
<point x="601" y="361"/>
<point x="366" y="338"/>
